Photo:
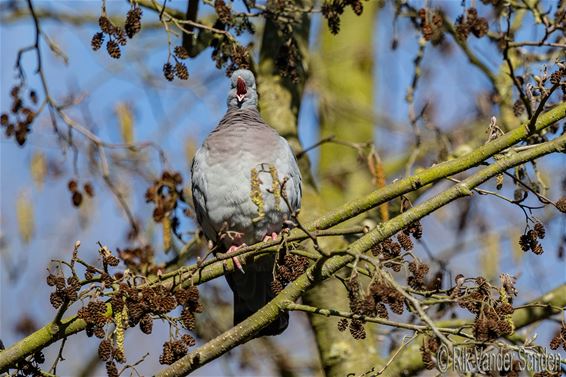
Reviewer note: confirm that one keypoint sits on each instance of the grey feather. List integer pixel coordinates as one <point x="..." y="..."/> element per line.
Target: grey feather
<point x="225" y="198"/>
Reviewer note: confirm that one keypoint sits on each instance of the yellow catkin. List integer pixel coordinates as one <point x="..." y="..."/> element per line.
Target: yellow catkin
<point x="499" y="181"/>
<point x="255" y="194"/>
<point x="125" y="316"/>
<point x="166" y="224"/>
<point x="489" y="255"/>
<point x="24" y="215"/>
<point x="503" y="295"/>
<point x="38" y="167"/>
<point x="376" y="169"/>
<point x="126" y="121"/>
<point x="505" y="300"/>
<point x="119" y="331"/>
<point x="275" y="186"/>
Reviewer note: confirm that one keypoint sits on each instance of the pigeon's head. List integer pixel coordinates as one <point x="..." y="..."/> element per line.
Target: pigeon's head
<point x="243" y="93"/>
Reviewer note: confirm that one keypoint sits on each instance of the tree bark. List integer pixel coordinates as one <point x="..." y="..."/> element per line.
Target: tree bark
<point x="345" y="78"/>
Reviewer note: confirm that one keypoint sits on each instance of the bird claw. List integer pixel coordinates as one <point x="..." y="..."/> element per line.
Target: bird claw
<point x="270" y="237"/>
<point x="236" y="260"/>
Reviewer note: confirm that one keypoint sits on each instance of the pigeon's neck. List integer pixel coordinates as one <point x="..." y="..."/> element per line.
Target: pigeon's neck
<point x="243" y="106"/>
<point x="243" y="113"/>
<point x="236" y="117"/>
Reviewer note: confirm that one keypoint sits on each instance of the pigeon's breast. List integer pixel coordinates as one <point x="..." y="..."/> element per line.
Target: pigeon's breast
<point x="243" y="169"/>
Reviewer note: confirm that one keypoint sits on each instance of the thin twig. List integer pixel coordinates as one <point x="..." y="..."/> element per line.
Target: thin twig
<point x="59" y="357"/>
<point x="386" y="322"/>
<point x="315" y="145"/>
<point x="410" y="98"/>
<point x="401" y="347"/>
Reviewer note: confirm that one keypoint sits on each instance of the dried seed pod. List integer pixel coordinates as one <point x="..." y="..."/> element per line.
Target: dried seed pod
<point x="437" y="19"/>
<point x="89" y="189"/>
<point x="357" y="7"/>
<point x="480" y="27"/>
<point x="10" y="130"/>
<point x="181" y="71"/>
<point x="357" y="329"/>
<point x="188" y="340"/>
<point x="74" y="283"/>
<point x="133" y="22"/>
<point x="56" y="299"/>
<point x="537" y="249"/>
<point x="77" y="198"/>
<point x="146" y="324"/>
<point x="556" y="341"/>
<point x="120" y="36"/>
<point x="168" y="73"/>
<point x="111" y="369"/>
<point x="118" y="355"/>
<point x="113" y="49"/>
<point x="405" y="241"/>
<point x="97" y="41"/>
<point x="60" y="283"/>
<point x="99" y="332"/>
<point x="72" y="185"/>
<point x="539" y="229"/>
<point x="427" y="31"/>
<point x="471" y="15"/>
<point x="505" y="309"/>
<point x="33" y="96"/>
<point x="524" y="242"/>
<point x="561" y="204"/>
<point x="29" y="115"/>
<point x="180" y="52"/>
<point x="167" y="356"/>
<point x="15" y="91"/>
<point x="106" y="25"/>
<point x="276" y="286"/>
<point x="21" y="136"/>
<point x="188" y="318"/>
<point x="51" y="280"/>
<point x="462" y="29"/>
<point x="111" y="260"/>
<point x="223" y="11"/>
<point x="105" y="350"/>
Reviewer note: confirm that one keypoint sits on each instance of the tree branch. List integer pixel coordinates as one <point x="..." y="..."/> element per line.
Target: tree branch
<point x="433" y="174"/>
<point x="410" y="361"/>
<point x="325" y="268"/>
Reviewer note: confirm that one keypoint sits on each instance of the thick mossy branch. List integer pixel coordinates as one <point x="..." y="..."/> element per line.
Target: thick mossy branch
<point x="195" y="275"/>
<point x="325" y="268"/>
<point x="437" y="172"/>
<point x="40" y="339"/>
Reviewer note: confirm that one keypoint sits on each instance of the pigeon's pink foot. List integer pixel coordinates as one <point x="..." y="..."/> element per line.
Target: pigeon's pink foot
<point x="236" y="261"/>
<point x="271" y="237"/>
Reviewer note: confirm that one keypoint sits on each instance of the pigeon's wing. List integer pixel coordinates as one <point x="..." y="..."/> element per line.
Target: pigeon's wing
<point x="199" y="189"/>
<point x="294" y="182"/>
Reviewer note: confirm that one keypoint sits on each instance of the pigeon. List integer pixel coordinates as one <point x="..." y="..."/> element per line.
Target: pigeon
<point x="246" y="187"/>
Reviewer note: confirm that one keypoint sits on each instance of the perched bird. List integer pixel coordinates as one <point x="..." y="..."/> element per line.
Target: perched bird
<point x="246" y="185"/>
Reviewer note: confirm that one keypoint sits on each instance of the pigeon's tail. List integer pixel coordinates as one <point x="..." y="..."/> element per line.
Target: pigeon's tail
<point x="252" y="291"/>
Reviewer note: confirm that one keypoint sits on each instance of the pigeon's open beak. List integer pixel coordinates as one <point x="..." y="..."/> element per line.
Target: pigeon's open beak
<point x="241" y="89"/>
